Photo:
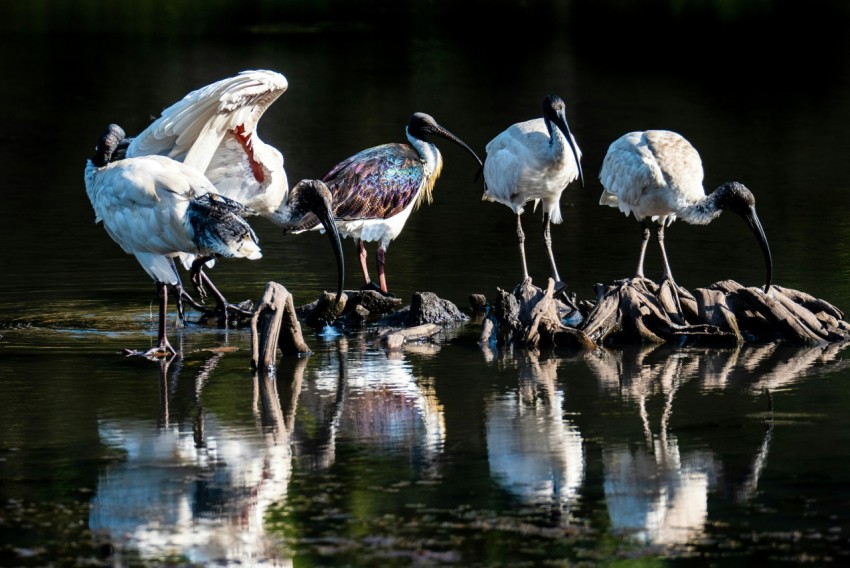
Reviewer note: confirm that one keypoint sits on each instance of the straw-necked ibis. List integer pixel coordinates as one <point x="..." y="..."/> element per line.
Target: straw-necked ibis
<point x="375" y="190"/>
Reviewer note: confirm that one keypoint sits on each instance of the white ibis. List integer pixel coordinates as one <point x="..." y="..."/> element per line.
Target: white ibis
<point x="657" y="175"/>
<point x="214" y="129"/>
<point x="534" y="161"/>
<point x="375" y="190"/>
<point x="157" y="209"/>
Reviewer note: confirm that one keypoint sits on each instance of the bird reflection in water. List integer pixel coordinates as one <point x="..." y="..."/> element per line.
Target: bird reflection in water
<point x="379" y="402"/>
<point x="658" y="492"/>
<point x="533" y="451"/>
<point x="198" y="492"/>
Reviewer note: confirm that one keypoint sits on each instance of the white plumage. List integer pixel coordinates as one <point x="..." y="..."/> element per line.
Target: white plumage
<point x="534" y="161"/>
<point x="158" y="209"/>
<point x="657" y="175"/>
<point x="214" y="129"/>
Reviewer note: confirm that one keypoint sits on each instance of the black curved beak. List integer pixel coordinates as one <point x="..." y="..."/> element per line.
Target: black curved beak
<point x="326" y="217"/>
<point x="449" y="136"/>
<point x="561" y="123"/>
<point x="753" y="221"/>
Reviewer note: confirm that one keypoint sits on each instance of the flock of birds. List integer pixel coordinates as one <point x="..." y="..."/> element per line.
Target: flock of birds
<point x="183" y="188"/>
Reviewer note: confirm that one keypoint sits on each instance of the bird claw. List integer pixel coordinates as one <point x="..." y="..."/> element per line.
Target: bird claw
<point x="375" y="288"/>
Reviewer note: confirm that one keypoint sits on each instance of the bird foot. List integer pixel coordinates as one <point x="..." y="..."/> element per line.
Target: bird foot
<point x="227" y="314"/>
<point x="375" y="288"/>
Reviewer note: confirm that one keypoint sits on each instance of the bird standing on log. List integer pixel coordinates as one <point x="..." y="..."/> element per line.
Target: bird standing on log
<point x="534" y="161"/>
<point x="157" y="209"/>
<point x="657" y="175"/>
<point x="375" y="190"/>
<point x="214" y="129"/>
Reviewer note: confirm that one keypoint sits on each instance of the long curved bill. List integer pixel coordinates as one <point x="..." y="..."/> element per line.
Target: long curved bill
<point x="449" y="136"/>
<point x="564" y="127"/>
<point x="755" y="224"/>
<point x="325" y="216"/>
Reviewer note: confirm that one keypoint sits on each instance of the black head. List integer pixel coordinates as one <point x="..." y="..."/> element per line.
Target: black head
<point x="109" y="141"/>
<point x="734" y="196"/>
<point x="421" y="125"/>
<point x="313" y="196"/>
<point x="555" y="112"/>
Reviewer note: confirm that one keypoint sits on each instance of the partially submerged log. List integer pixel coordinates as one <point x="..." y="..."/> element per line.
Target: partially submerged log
<point x="274" y="326"/>
<point x="532" y="318"/>
<point x="395" y="339"/>
<point x="637" y="310"/>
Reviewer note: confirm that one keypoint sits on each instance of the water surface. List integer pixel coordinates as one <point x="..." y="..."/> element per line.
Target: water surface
<point x="448" y="453"/>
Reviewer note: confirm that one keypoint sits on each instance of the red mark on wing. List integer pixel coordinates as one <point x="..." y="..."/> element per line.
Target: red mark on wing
<point x="247" y="143"/>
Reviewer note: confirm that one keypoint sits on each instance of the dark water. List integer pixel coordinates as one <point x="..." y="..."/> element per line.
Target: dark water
<point x="447" y="453"/>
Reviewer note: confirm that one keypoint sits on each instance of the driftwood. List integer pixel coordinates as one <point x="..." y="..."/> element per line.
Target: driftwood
<point x="532" y="318"/>
<point x="274" y="326"/>
<point x="639" y="311"/>
<point x="394" y="339"/>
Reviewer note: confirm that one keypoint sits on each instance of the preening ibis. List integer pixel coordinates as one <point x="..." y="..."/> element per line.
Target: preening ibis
<point x="534" y="161"/>
<point x="214" y="129"/>
<point x="157" y="209"/>
<point x="375" y="190"/>
<point x="657" y="175"/>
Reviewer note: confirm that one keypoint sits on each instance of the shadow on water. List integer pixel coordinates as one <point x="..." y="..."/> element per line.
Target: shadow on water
<point x="447" y="453"/>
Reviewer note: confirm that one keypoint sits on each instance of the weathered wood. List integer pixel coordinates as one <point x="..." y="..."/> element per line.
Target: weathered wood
<point x="810" y="302"/>
<point x="274" y="325"/>
<point x="395" y="339"/>
<point x="532" y="318"/>
<point x="714" y="310"/>
<point x="791" y="328"/>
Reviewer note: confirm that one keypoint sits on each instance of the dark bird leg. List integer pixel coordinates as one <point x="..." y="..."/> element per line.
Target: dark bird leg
<point x="380" y="260"/>
<point x="520" y="239"/>
<point x="163" y="348"/>
<point x="643" y="243"/>
<point x="202" y="282"/>
<point x="547" y="239"/>
<point x="668" y="274"/>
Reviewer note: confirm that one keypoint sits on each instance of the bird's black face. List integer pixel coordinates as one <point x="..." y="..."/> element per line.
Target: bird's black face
<point x="314" y="196"/>
<point x="735" y="196"/>
<point x="555" y="111"/>
<point x="422" y="124"/>
<point x="109" y="141"/>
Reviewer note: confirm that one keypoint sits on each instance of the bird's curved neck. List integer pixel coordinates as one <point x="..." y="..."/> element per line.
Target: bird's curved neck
<point x="431" y="157"/>
<point x="701" y="212"/>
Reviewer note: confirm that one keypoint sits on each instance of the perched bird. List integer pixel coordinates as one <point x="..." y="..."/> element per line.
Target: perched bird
<point x="214" y="129"/>
<point x="375" y="190"/>
<point x="534" y="161"/>
<point x="657" y="175"/>
<point x="158" y="209"/>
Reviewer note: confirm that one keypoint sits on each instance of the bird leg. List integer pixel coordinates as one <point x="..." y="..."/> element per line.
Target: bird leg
<point x="380" y="260"/>
<point x="520" y="239"/>
<point x="643" y="243"/>
<point x="163" y="348"/>
<point x="202" y="282"/>
<point x="668" y="274"/>
<point x="547" y="239"/>
<point x="362" y="254"/>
